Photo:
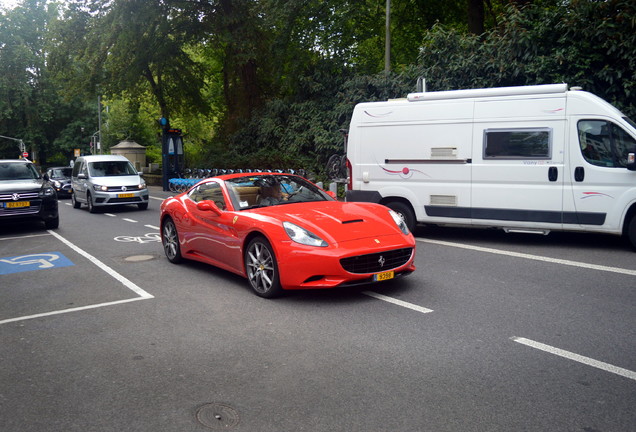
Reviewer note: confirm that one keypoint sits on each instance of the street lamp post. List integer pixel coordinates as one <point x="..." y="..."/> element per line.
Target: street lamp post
<point x="20" y="143"/>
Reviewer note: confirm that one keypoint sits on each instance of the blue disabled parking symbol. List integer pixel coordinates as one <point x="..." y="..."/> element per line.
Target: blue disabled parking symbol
<point x="41" y="261"/>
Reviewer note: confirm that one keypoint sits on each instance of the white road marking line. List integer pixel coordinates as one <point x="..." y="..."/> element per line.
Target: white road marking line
<point x="143" y="295"/>
<point x="397" y="302"/>
<point x="63" y="311"/>
<point x="129" y="220"/>
<point x="127" y="283"/>
<point x="152" y="227"/>
<point x="24" y="236"/>
<point x="576" y="357"/>
<point x="158" y="199"/>
<point x="533" y="257"/>
<point x="110" y="214"/>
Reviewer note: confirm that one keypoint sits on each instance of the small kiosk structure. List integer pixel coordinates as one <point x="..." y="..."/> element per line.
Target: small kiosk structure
<point x="134" y="152"/>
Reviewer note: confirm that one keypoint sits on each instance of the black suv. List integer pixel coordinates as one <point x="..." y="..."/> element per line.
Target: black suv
<point x="25" y="194"/>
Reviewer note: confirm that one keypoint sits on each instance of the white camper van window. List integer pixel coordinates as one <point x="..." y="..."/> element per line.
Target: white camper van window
<point x="527" y="143"/>
<point x="604" y="143"/>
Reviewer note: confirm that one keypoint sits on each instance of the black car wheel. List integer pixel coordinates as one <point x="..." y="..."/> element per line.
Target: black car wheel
<point x="631" y="232"/>
<point x="76" y="203"/>
<point x="52" y="223"/>
<point x="170" y="240"/>
<point x="261" y="268"/>
<point x="405" y="212"/>
<point x="89" y="201"/>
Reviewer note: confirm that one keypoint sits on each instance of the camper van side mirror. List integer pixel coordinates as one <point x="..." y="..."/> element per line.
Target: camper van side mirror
<point x="631" y="161"/>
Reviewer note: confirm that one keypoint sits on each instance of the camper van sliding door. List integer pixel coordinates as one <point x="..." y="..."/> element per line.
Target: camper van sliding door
<point x="518" y="173"/>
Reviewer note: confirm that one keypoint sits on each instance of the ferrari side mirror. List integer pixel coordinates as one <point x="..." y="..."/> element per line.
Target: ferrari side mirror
<point x="207" y="205"/>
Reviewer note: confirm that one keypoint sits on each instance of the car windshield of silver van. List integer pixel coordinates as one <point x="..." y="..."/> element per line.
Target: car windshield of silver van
<point x="111" y="169"/>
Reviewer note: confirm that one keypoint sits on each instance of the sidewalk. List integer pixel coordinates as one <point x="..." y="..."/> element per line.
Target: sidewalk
<point x="158" y="192"/>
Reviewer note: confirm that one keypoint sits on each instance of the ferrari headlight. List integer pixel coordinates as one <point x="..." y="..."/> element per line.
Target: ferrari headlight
<point x="399" y="222"/>
<point x="302" y="236"/>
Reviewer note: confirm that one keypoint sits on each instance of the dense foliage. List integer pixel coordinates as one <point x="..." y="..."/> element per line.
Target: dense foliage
<point x="272" y="83"/>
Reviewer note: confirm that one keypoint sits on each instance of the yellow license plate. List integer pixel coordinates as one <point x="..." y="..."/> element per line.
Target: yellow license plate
<point x="18" y="204"/>
<point x="125" y="195"/>
<point x="383" y="276"/>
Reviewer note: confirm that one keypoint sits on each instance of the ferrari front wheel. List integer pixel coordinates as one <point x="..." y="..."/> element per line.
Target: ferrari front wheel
<point x="170" y="240"/>
<point x="261" y="268"/>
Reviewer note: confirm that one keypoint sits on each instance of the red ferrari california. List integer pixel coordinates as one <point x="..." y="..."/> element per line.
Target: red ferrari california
<point x="282" y="232"/>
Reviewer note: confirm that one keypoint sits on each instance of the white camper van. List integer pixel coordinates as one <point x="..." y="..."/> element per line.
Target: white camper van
<point x="529" y="159"/>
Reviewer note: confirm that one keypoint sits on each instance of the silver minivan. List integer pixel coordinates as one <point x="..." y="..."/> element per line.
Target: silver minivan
<point x="107" y="180"/>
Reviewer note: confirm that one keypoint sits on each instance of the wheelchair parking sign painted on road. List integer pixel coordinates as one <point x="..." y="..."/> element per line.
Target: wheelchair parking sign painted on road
<point x="24" y="263"/>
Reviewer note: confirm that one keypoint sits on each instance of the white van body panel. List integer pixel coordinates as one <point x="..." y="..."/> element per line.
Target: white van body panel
<point x="444" y="154"/>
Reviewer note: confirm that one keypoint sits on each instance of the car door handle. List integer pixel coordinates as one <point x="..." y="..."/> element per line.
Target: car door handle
<point x="553" y="174"/>
<point x="579" y="174"/>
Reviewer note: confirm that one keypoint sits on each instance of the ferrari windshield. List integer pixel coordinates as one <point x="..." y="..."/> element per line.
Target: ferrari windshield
<point x="269" y="190"/>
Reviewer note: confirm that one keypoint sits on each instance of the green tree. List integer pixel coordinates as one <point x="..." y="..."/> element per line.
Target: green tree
<point x="132" y="47"/>
<point x="30" y="104"/>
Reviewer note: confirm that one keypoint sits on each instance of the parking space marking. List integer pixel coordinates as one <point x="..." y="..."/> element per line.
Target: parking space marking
<point x="127" y="283"/>
<point x="142" y="295"/>
<point x="64" y="311"/>
<point x="576" y="357"/>
<point x="397" y="302"/>
<point x="24" y="236"/>
<point x="533" y="257"/>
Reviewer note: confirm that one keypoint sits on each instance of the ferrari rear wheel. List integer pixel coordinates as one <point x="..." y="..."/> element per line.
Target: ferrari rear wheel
<point x="262" y="269"/>
<point x="170" y="240"/>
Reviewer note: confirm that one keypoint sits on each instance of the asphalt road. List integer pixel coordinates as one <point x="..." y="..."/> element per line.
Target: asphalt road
<point x="493" y="332"/>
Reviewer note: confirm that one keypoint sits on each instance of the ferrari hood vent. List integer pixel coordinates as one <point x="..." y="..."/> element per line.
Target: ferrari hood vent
<point x="352" y="221"/>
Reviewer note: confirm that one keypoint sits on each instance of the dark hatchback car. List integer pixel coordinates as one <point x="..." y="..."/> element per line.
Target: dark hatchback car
<point x="26" y="195"/>
<point x="60" y="178"/>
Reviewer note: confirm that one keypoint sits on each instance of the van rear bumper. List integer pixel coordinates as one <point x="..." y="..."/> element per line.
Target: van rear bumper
<point x="363" y="196"/>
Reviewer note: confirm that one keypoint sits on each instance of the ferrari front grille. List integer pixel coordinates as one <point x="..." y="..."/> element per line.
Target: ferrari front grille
<point x="377" y="262"/>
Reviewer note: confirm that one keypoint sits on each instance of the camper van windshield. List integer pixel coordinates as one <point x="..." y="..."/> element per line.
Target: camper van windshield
<point x="604" y="143"/>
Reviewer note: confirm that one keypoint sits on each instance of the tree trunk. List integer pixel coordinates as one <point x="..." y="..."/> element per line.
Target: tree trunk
<point x="476" y="16"/>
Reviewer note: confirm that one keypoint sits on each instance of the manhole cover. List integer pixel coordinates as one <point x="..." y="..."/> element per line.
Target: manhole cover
<point x="138" y="258"/>
<point x="218" y="416"/>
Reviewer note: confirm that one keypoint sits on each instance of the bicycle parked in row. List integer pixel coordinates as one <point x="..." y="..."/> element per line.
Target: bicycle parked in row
<point x="190" y="177"/>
